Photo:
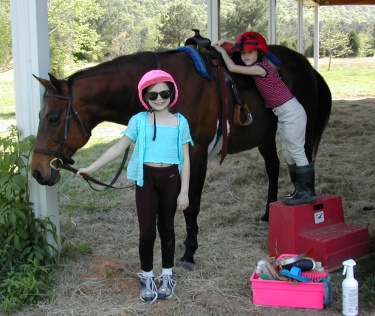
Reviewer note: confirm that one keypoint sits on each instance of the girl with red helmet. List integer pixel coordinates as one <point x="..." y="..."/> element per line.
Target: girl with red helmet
<point x="254" y="59"/>
<point x="160" y="165"/>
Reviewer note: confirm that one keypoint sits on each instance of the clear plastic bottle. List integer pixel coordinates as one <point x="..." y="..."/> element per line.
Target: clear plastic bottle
<point x="349" y="290"/>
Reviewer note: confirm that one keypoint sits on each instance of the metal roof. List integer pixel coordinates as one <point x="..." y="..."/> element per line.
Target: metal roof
<point x="337" y="2"/>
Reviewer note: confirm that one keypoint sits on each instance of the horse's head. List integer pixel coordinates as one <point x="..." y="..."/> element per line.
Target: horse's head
<point x="62" y="131"/>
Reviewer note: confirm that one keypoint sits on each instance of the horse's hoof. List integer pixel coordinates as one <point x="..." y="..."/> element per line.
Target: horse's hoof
<point x="186" y="265"/>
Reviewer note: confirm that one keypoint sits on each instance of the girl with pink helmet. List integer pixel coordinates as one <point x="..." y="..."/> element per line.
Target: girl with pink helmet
<point x="250" y="51"/>
<point x="160" y="166"/>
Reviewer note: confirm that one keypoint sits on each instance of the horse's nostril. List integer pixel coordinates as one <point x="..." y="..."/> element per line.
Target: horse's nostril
<point x="36" y="175"/>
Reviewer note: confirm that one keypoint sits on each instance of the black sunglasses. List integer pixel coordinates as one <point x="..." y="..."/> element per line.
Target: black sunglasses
<point x="153" y="95"/>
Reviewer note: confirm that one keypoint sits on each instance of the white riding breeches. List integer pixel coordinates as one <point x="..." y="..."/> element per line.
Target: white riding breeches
<point x="291" y="126"/>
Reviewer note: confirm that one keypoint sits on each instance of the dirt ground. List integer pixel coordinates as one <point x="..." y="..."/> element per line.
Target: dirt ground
<point x="104" y="282"/>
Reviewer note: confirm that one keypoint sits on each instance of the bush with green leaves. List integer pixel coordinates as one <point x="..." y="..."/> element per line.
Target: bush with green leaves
<point x="27" y="259"/>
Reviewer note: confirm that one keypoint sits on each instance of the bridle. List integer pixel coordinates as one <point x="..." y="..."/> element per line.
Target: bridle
<point x="60" y="157"/>
<point x="64" y="161"/>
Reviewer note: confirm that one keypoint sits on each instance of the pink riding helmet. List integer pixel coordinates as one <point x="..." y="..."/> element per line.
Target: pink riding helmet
<point x="152" y="77"/>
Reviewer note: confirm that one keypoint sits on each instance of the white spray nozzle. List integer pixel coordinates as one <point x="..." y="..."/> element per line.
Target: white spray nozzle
<point x="348" y="263"/>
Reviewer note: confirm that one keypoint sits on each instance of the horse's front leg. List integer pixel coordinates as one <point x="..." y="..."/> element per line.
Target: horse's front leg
<point x="198" y="168"/>
<point x="268" y="151"/>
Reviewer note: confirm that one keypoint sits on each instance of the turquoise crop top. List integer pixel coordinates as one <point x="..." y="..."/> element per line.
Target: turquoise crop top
<point x="137" y="132"/>
<point x="164" y="148"/>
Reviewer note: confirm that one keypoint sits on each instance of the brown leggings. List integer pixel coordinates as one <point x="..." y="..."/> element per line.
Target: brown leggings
<point x="156" y="206"/>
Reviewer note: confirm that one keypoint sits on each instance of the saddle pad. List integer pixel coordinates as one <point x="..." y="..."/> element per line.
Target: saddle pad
<point x="197" y="59"/>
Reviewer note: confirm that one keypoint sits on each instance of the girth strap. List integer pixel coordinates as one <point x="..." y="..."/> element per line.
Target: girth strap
<point x="224" y="111"/>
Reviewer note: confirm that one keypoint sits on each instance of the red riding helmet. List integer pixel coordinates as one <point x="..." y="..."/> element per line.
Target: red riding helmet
<point x="250" y="41"/>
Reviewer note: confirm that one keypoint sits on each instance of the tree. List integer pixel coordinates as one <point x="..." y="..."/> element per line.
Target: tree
<point x="354" y="44"/>
<point x="245" y="16"/>
<point x="5" y="35"/>
<point x="176" y="24"/>
<point x="120" y="27"/>
<point x="72" y="37"/>
<point x="332" y="39"/>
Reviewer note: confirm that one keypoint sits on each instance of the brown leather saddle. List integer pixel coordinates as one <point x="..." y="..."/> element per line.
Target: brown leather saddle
<point x="241" y="109"/>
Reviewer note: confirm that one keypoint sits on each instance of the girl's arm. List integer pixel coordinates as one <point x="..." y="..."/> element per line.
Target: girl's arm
<point x="239" y="69"/>
<point x="112" y="153"/>
<point x="183" y="197"/>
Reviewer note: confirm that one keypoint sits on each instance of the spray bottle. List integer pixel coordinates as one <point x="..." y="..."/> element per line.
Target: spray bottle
<point x="349" y="290"/>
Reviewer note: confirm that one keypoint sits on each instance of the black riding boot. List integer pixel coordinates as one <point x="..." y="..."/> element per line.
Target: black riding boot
<point x="305" y="186"/>
<point x="293" y="178"/>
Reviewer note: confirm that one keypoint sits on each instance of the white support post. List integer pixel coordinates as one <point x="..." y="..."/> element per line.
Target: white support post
<point x="271" y="21"/>
<point x="213" y="20"/>
<point x="30" y="43"/>
<point x="316" y="38"/>
<point x="300" y="27"/>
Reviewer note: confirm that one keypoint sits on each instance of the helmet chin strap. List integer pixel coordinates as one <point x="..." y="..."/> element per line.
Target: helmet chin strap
<point x="152" y="111"/>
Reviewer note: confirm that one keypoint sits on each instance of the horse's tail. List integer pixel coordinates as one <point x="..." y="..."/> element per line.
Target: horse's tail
<point x="323" y="112"/>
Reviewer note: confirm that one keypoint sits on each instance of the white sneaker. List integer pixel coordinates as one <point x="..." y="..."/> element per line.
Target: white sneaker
<point x="166" y="289"/>
<point x="149" y="292"/>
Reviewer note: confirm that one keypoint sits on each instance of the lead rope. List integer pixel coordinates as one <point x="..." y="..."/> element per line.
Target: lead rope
<point x="105" y="186"/>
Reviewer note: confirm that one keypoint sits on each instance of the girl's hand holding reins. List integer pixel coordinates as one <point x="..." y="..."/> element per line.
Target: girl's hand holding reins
<point x="83" y="171"/>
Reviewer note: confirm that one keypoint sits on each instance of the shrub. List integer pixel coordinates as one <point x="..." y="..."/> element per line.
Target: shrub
<point x="26" y="257"/>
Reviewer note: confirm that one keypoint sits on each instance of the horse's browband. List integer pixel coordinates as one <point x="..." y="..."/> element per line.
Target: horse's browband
<point x="58" y="96"/>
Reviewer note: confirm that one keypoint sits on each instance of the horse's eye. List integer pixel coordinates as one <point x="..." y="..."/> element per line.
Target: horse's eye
<point x="54" y="119"/>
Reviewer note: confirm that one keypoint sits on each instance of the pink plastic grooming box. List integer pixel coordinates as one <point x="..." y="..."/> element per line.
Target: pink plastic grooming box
<point x="289" y="294"/>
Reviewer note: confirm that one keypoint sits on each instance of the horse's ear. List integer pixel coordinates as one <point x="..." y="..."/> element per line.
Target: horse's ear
<point x="55" y="83"/>
<point x="45" y="83"/>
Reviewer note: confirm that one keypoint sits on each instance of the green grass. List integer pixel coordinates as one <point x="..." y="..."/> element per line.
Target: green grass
<point x="350" y="80"/>
<point x="7" y="101"/>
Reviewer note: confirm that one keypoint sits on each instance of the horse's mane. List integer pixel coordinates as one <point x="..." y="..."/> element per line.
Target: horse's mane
<point x="118" y="63"/>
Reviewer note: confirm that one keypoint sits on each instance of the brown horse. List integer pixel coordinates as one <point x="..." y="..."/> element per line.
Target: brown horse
<point x="108" y="92"/>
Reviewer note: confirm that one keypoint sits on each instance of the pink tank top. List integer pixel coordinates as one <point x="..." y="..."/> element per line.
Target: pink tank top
<point x="273" y="90"/>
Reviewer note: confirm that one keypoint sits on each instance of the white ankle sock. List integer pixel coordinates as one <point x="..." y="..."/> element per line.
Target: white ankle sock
<point x="167" y="271"/>
<point x="149" y="274"/>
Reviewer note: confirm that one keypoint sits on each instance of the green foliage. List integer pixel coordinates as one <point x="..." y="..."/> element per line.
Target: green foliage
<point x="74" y="250"/>
<point x="179" y="14"/>
<point x="5" y="35"/>
<point x="83" y="31"/>
<point x="353" y="44"/>
<point x="333" y="39"/>
<point x="72" y="37"/>
<point x="25" y="284"/>
<point x="245" y="16"/>
<point x="25" y="255"/>
<point x="290" y="44"/>
<point x="366" y="49"/>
